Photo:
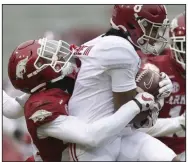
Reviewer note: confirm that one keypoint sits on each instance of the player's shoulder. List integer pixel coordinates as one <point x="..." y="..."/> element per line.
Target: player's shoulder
<point x="94" y="41"/>
<point x="110" y="42"/>
<point x="116" y="50"/>
<point x="46" y="105"/>
<point x="107" y="43"/>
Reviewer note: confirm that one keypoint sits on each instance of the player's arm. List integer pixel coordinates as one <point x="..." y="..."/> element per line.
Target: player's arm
<point x="166" y="126"/>
<point x="123" y="86"/>
<point x="11" y="107"/>
<point x="121" y="62"/>
<point x="72" y="129"/>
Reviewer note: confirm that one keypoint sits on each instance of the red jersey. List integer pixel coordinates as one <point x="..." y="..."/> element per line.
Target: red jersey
<point x="175" y="104"/>
<point x="41" y="108"/>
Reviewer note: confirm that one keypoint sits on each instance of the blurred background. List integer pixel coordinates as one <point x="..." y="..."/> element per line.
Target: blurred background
<point x="73" y="23"/>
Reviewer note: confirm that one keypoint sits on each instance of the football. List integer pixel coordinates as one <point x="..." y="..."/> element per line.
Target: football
<point x="148" y="78"/>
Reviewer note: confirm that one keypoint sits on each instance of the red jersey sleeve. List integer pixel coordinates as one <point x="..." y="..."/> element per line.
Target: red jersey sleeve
<point x="46" y="106"/>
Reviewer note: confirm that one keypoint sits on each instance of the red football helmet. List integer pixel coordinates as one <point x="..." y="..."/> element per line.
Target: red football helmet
<point x="146" y="25"/>
<point x="178" y="44"/>
<point x="36" y="62"/>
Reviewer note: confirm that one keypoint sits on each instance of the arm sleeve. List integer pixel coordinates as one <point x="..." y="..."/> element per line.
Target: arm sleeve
<point x="11" y="108"/>
<point x="122" y="79"/>
<point x="71" y="129"/>
<point x="122" y="64"/>
<point x="164" y="127"/>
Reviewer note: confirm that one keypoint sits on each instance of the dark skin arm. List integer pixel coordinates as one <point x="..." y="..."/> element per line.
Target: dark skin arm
<point x="120" y="98"/>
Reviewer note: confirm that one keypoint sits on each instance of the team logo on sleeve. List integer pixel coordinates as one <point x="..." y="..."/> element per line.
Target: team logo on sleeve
<point x="40" y="115"/>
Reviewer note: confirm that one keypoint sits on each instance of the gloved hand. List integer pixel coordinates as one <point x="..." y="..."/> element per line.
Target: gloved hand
<point x="145" y="101"/>
<point x="165" y="85"/>
<point x="153" y="106"/>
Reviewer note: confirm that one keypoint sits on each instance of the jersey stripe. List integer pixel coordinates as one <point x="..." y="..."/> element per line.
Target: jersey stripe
<point x="86" y="52"/>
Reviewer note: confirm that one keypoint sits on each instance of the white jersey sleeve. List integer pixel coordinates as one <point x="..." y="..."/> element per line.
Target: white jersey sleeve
<point x="11" y="108"/>
<point x="122" y="80"/>
<point x="165" y="126"/>
<point x="119" y="58"/>
<point x="71" y="129"/>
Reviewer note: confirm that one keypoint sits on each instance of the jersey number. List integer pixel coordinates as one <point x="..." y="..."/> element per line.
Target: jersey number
<point x="83" y="50"/>
<point x="137" y="8"/>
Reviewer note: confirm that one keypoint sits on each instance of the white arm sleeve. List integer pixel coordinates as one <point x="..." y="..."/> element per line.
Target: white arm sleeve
<point x="71" y="129"/>
<point x="164" y="126"/>
<point x="11" y="108"/>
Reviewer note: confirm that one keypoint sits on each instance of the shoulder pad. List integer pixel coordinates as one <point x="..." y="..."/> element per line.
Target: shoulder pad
<point x="46" y="106"/>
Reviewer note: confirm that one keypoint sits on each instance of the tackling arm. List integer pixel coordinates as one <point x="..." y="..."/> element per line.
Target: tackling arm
<point x="71" y="129"/>
<point x="11" y="108"/>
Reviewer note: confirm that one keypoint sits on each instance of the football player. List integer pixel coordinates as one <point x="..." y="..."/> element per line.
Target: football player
<point x="33" y="68"/>
<point x="147" y="42"/>
<point x="106" y="81"/>
<point x="170" y="127"/>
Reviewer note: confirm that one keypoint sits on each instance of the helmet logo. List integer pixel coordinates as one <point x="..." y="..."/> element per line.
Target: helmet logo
<point x="21" y="68"/>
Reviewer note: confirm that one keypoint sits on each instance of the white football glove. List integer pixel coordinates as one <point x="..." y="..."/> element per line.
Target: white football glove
<point x="154" y="108"/>
<point x="165" y="85"/>
<point x="153" y="114"/>
<point x="145" y="101"/>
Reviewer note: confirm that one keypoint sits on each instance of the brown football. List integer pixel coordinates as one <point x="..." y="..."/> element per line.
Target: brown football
<point x="148" y="78"/>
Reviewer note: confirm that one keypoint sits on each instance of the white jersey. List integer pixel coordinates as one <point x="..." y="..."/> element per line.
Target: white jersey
<point x="110" y="66"/>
